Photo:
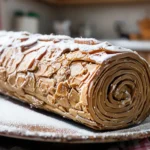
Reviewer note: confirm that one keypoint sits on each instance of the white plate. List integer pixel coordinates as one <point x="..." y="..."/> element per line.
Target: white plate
<point x="20" y="121"/>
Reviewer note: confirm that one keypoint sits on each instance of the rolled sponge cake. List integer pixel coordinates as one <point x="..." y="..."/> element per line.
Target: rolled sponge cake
<point x="102" y="86"/>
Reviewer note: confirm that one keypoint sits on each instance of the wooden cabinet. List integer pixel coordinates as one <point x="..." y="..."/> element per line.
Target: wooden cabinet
<point x="68" y="2"/>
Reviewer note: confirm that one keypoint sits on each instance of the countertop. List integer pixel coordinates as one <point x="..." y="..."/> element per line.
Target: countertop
<point x="134" y="45"/>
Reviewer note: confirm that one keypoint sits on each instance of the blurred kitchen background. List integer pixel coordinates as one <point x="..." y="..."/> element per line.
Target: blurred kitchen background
<point x="122" y="22"/>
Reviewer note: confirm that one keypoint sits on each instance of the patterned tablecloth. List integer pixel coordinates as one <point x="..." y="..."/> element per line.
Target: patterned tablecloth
<point x="16" y="144"/>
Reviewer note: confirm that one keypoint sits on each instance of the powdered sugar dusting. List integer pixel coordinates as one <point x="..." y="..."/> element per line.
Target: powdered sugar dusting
<point x="100" y="58"/>
<point x="21" y="115"/>
<point x="60" y="42"/>
<point x="18" y="120"/>
<point x="87" y="40"/>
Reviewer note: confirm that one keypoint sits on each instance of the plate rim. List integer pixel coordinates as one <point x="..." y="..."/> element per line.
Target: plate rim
<point x="59" y="138"/>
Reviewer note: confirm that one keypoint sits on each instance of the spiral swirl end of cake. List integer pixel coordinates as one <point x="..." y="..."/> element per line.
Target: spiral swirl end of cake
<point x="119" y="94"/>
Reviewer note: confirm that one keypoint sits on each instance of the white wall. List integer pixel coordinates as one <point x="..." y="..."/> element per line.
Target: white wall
<point x="47" y="13"/>
<point x="104" y="16"/>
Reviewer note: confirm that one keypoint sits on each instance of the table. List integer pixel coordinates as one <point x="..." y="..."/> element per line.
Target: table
<point x="19" y="144"/>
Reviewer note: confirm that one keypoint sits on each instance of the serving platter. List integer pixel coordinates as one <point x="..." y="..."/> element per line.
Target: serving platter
<point x="18" y="120"/>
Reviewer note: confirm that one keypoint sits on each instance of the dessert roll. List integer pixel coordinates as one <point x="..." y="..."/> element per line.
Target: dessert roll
<point x="102" y="86"/>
